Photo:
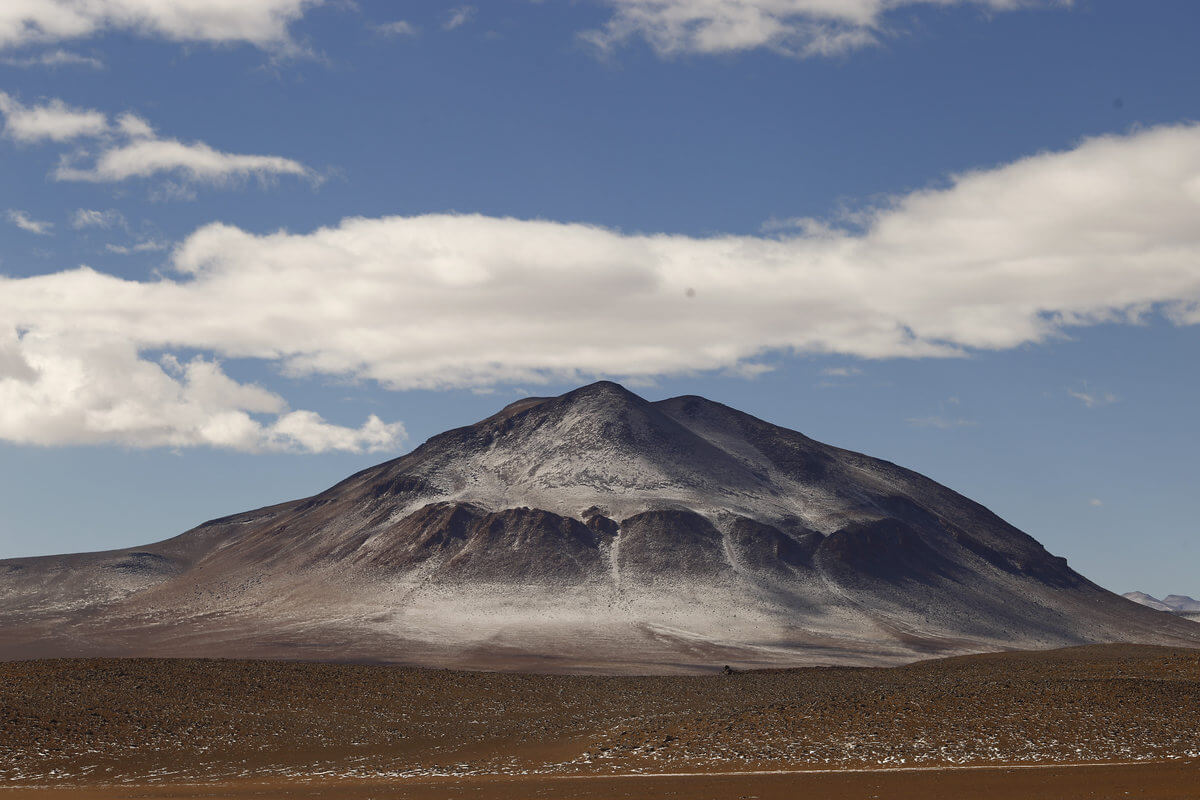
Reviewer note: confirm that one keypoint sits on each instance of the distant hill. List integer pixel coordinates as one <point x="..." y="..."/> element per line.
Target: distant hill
<point x="1178" y="604"/>
<point x="595" y="531"/>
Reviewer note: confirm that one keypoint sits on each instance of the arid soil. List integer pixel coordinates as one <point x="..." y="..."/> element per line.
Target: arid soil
<point x="148" y="725"/>
<point x="1145" y="781"/>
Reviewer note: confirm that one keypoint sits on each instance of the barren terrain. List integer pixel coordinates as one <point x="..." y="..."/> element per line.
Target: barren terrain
<point x="157" y="727"/>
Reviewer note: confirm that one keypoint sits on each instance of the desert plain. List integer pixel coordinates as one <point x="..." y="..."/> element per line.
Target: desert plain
<point x="1102" y="721"/>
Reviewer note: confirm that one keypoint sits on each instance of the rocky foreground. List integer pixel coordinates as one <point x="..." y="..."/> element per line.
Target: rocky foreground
<point x="104" y="722"/>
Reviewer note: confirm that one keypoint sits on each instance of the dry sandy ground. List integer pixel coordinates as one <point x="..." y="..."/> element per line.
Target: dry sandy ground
<point x="1092" y="782"/>
<point x="996" y="726"/>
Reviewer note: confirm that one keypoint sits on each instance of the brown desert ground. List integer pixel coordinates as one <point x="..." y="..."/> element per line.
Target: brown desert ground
<point x="1099" y="721"/>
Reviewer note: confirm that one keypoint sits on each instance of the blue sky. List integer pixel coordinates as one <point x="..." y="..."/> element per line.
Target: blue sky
<point x="961" y="236"/>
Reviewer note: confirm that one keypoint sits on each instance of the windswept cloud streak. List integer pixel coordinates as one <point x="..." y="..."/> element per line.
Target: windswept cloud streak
<point x="263" y="23"/>
<point x="458" y="17"/>
<point x="144" y="157"/>
<point x="803" y="28"/>
<point x="27" y="223"/>
<point x="129" y="147"/>
<point x="145" y="246"/>
<point x="998" y="258"/>
<point x="53" y="59"/>
<point x="1091" y="398"/>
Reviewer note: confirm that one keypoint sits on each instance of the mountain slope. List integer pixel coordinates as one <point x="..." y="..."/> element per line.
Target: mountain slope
<point x="591" y="531"/>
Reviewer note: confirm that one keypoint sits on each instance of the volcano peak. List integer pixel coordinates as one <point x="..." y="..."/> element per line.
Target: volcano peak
<point x="590" y="531"/>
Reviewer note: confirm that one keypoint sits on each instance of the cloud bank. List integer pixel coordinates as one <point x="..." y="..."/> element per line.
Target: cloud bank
<point x="66" y="388"/>
<point x="263" y="23"/>
<point x="794" y="27"/>
<point x="1105" y="232"/>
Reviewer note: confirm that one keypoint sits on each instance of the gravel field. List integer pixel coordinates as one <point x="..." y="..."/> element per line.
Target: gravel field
<point x="111" y="722"/>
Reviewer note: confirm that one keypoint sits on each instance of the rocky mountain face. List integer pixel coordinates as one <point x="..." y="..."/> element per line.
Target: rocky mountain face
<point x="595" y="531"/>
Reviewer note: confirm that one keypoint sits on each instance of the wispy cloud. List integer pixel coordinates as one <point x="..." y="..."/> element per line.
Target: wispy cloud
<point x="27" y="223"/>
<point x="801" y="28"/>
<point x="841" y="372"/>
<point x="1095" y="502"/>
<point x="459" y="17"/>
<point x="147" y="246"/>
<point x="53" y="59"/>
<point x="397" y="28"/>
<point x="194" y="162"/>
<point x="1093" y="398"/>
<point x="129" y="148"/>
<point x="94" y="218"/>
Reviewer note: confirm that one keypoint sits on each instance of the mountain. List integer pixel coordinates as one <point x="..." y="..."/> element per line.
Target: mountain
<point x="595" y="531"/>
<point x="1149" y="601"/>
<point x="1179" y="604"/>
<point x="1182" y="604"/>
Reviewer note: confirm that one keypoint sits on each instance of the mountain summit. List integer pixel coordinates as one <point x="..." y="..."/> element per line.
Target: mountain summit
<point x="594" y="531"/>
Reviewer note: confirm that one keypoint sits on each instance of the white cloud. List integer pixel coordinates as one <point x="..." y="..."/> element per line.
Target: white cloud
<point x="1105" y="232"/>
<point x="397" y="28"/>
<point x="93" y="218"/>
<point x="66" y="389"/>
<point x="130" y="148"/>
<point x="54" y="59"/>
<point x="1095" y="502"/>
<point x="27" y="223"/>
<point x="55" y="121"/>
<point x="306" y="430"/>
<point x="1091" y="398"/>
<point x="841" y="372"/>
<point x="134" y="126"/>
<point x="263" y="23"/>
<point x="147" y="246"/>
<point x="458" y="17"/>
<point x="794" y="27"/>
<point x="196" y="162"/>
